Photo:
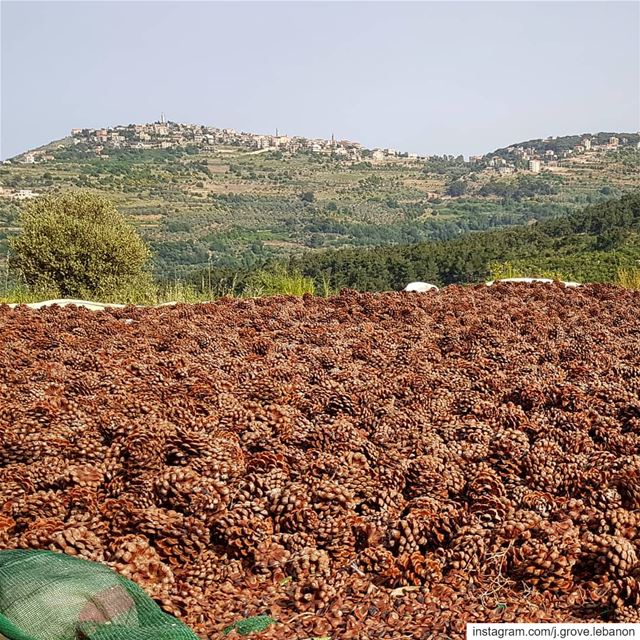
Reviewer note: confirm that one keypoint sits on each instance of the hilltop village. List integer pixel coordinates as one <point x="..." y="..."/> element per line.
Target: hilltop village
<point x="552" y="154"/>
<point x="535" y="158"/>
<point x="164" y="134"/>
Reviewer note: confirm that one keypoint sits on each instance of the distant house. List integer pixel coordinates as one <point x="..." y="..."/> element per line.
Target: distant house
<point x="25" y="194"/>
<point x="613" y="141"/>
<point x="586" y="143"/>
<point x="377" y="155"/>
<point x="349" y="144"/>
<point x="281" y="141"/>
<point x="535" y="166"/>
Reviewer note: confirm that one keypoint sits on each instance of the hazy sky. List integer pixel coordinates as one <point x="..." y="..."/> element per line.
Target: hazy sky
<point x="425" y="77"/>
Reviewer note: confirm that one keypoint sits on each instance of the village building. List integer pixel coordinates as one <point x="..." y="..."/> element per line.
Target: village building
<point x="535" y="166"/>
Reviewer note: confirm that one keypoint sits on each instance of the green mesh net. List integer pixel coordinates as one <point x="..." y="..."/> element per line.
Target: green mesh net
<point x="255" y="624"/>
<point x="52" y="596"/>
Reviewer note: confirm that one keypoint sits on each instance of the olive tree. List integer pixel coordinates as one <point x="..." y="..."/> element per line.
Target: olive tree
<point x="79" y="244"/>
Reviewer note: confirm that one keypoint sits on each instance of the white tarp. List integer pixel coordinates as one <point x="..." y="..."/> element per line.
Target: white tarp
<point x="87" y="304"/>
<point x="420" y="287"/>
<point x="543" y="280"/>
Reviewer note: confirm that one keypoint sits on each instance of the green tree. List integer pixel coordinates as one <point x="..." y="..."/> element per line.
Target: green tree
<point x="79" y="244"/>
<point x="457" y="188"/>
<point x="307" y="196"/>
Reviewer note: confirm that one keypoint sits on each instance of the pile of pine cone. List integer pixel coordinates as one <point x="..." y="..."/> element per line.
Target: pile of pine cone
<point x="365" y="466"/>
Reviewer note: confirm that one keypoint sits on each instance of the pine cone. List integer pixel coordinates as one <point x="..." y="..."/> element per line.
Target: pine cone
<point x="381" y="565"/>
<point x="613" y="553"/>
<point x="417" y="569"/>
<point x="133" y="557"/>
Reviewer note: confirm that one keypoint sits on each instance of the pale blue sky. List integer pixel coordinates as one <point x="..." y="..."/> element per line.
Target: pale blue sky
<point x="426" y="77"/>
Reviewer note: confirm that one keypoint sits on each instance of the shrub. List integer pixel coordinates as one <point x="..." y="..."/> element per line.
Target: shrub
<point x="628" y="278"/>
<point x="279" y="281"/>
<point x="79" y="244"/>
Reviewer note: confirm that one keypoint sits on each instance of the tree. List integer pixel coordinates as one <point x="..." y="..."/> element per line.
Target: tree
<point x="457" y="188"/>
<point x="307" y="196"/>
<point x="79" y="244"/>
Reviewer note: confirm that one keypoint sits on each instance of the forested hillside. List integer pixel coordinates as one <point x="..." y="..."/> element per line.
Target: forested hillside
<point x="589" y="245"/>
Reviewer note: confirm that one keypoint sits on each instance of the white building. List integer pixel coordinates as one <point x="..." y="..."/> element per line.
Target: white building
<point x="24" y="194"/>
<point x="535" y="166"/>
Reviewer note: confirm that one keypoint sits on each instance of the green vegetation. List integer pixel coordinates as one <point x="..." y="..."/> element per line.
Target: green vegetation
<point x="600" y="243"/>
<point x="629" y="278"/>
<point x="501" y="270"/>
<point x="279" y="281"/>
<point x="597" y="244"/>
<point x="232" y="210"/>
<point x="78" y="245"/>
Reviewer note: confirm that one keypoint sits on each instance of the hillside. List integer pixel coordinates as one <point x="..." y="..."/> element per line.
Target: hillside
<point x="588" y="245"/>
<point x="228" y="199"/>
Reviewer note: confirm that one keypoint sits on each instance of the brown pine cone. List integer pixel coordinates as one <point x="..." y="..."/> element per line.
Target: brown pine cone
<point x="417" y="569"/>
<point x="133" y="557"/>
<point x="626" y="592"/>
<point x="613" y="553"/>
<point x="545" y="555"/>
<point x="381" y="565"/>
<point x="468" y="549"/>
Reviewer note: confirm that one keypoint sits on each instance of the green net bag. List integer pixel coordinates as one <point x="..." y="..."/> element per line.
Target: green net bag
<point x="52" y="596"/>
